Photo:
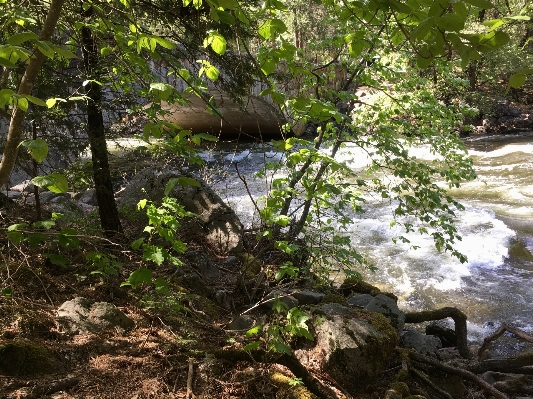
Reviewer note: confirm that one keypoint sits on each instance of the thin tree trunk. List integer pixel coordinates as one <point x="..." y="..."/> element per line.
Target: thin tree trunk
<point x="107" y="207"/>
<point x="14" y="134"/>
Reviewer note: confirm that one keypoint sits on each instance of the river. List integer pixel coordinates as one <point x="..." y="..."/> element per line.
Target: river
<point x="493" y="287"/>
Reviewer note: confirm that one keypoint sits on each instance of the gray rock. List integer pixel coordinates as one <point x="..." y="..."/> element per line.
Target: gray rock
<point x="89" y="197"/>
<point x="307" y="297"/>
<point x="424" y="344"/>
<point x="231" y="260"/>
<point x="82" y="315"/>
<point x="350" y="346"/>
<point x="283" y="296"/>
<point x="219" y="223"/>
<point x="201" y="262"/>
<point x="360" y="300"/>
<point x="195" y="283"/>
<point x="441" y="330"/>
<point x="47" y="196"/>
<point x="25" y="186"/>
<point x="241" y="323"/>
<point x="388" y="308"/>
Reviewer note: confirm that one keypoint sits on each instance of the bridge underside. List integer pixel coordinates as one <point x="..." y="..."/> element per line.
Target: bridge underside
<point x="256" y="119"/>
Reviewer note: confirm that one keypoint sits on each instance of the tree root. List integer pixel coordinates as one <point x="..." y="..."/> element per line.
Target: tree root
<point x="458" y="317"/>
<point x="499" y="332"/>
<point x="517" y="365"/>
<point x="460" y="372"/>
<point x="299" y="371"/>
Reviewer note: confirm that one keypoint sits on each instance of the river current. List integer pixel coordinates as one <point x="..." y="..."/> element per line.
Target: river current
<point x="493" y="287"/>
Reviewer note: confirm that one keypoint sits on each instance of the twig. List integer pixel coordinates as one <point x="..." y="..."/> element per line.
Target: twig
<point x="190" y="394"/>
<point x="429" y="383"/>
<point x="499" y="332"/>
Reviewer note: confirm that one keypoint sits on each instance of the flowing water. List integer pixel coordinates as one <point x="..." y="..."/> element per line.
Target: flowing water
<point x="495" y="285"/>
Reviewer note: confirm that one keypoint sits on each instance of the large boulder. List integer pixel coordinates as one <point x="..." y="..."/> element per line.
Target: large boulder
<point x="380" y="304"/>
<point x="23" y="358"/>
<point x="82" y="315"/>
<point x="352" y="346"/>
<point x="219" y="223"/>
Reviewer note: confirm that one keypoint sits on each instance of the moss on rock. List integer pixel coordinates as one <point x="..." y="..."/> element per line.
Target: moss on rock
<point x="286" y="390"/>
<point x="334" y="298"/>
<point x="22" y="358"/>
<point x="251" y="266"/>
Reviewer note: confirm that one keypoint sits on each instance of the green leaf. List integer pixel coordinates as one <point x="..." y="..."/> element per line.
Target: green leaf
<point x="216" y="41"/>
<point x="226" y="17"/>
<point x="423" y="28"/>
<point x="5" y="97"/>
<point x="212" y="73"/>
<point x="16" y="237"/>
<point x="423" y="62"/>
<point x="253" y="331"/>
<point x="38" y="148"/>
<point x="22" y="102"/>
<point x="137" y="243"/>
<point x="7" y="63"/>
<point x="182" y="181"/>
<point x="20" y="38"/>
<point x="228" y="4"/>
<point x="46" y="49"/>
<point x="57" y="259"/>
<point x="242" y="17"/>
<point x="268" y="66"/>
<point x="451" y="22"/>
<point x="155" y="254"/>
<point x="494" y="23"/>
<point x="64" y="52"/>
<point x="496" y="39"/>
<point x="518" y="18"/>
<point x="165" y="43"/>
<point x="251" y="346"/>
<point x="37" y="239"/>
<point x="54" y="182"/>
<point x="67" y="238"/>
<point x="271" y="27"/>
<point x="35" y="100"/>
<point x="281" y="347"/>
<point x="517" y="80"/>
<point x="142" y="204"/>
<point x="139" y="276"/>
<point x="483" y="4"/>
<point x="163" y="90"/>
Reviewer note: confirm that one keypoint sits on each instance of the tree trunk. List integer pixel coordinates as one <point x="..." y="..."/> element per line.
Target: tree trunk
<point x="107" y="207"/>
<point x="14" y="134"/>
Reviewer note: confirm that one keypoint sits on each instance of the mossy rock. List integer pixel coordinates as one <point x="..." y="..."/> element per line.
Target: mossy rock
<point x="251" y="266"/>
<point x="334" y="298"/>
<point x="520" y="252"/>
<point x="205" y="305"/>
<point x="355" y="285"/>
<point x="288" y="391"/>
<point x="402" y="388"/>
<point x="22" y="358"/>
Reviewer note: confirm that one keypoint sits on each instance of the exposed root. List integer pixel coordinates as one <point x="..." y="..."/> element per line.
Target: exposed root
<point x="460" y="372"/>
<point x="499" y="332"/>
<point x="299" y="371"/>
<point x="458" y="317"/>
